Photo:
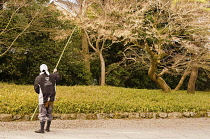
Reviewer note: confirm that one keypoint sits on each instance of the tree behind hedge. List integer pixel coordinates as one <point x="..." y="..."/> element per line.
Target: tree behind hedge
<point x="42" y="42"/>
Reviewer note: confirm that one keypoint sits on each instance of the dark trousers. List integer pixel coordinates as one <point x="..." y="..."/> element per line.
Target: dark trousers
<point x="45" y="112"/>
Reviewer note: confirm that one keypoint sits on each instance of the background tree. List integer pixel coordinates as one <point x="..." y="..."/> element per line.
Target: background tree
<point x="97" y="20"/>
<point x="145" y="31"/>
<point x="157" y="34"/>
<point x="14" y="25"/>
<point x="42" y="42"/>
<point x="163" y="40"/>
<point x="195" y="18"/>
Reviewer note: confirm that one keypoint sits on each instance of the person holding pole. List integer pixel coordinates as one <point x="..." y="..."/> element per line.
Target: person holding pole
<point x="45" y="86"/>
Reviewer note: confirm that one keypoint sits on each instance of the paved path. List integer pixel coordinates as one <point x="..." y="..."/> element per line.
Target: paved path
<point x="191" y="128"/>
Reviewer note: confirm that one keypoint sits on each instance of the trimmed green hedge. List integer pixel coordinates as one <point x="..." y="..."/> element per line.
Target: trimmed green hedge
<point x="21" y="99"/>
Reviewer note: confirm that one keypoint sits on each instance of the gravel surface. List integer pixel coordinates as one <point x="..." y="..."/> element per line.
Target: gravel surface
<point x="194" y="123"/>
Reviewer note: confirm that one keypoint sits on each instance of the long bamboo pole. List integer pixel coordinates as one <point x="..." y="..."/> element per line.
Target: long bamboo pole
<point x="57" y="65"/>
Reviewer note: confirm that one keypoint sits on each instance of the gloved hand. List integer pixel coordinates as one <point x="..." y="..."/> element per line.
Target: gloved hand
<point x="55" y="70"/>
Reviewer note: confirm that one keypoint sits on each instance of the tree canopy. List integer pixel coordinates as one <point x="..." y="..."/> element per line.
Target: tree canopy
<point x="127" y="41"/>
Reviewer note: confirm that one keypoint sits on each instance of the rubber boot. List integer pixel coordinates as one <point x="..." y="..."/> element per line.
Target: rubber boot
<point x="48" y="126"/>
<point x="42" y="128"/>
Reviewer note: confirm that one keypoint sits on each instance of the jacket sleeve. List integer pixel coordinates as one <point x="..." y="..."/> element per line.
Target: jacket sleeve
<point x="36" y="85"/>
<point x="57" y="77"/>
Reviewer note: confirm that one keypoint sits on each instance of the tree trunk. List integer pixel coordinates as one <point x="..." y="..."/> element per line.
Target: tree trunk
<point x="85" y="51"/>
<point x="103" y="76"/>
<point x="192" y="80"/>
<point x="186" y="73"/>
<point x="159" y="80"/>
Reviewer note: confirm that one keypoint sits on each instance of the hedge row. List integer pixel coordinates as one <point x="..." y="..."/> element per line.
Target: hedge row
<point x="19" y="99"/>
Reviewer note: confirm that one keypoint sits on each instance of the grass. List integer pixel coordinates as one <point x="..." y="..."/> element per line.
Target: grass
<point x="21" y="99"/>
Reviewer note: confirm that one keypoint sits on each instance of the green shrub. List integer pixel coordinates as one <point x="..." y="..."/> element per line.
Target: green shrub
<point x="21" y="99"/>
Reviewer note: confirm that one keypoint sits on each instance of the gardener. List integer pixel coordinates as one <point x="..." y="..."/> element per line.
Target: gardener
<point x="45" y="86"/>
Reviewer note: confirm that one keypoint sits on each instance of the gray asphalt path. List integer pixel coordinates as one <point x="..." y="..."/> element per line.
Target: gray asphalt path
<point x="189" y="128"/>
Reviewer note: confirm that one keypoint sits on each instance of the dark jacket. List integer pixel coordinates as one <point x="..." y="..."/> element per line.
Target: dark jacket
<point x="45" y="86"/>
